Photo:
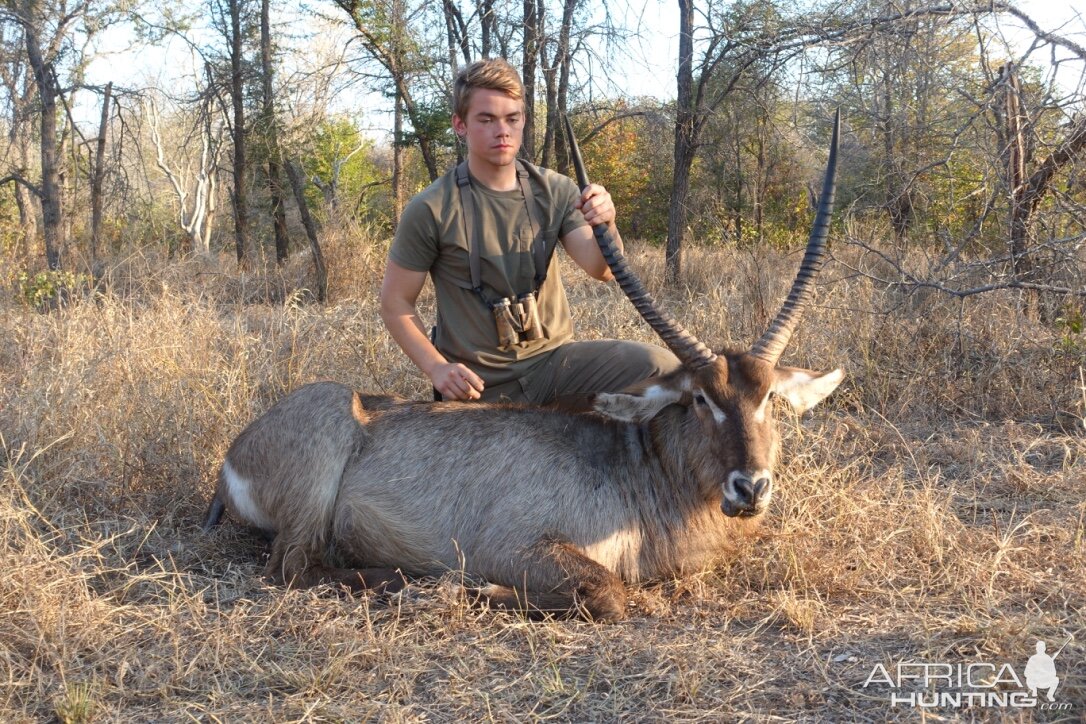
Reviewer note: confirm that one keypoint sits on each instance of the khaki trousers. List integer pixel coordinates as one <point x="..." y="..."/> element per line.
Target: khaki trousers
<point x="579" y="369"/>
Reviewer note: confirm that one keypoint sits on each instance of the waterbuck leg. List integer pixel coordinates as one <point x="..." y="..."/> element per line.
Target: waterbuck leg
<point x="357" y="580"/>
<point x="297" y="570"/>
<point x="562" y="581"/>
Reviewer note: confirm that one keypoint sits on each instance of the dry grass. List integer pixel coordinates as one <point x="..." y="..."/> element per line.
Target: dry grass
<point x="932" y="510"/>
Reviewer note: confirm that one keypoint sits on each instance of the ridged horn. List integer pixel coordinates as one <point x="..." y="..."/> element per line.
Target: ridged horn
<point x="773" y="343"/>
<point x="687" y="348"/>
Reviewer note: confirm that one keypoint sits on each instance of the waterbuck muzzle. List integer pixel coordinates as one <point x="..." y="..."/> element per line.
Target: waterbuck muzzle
<point x="747" y="494"/>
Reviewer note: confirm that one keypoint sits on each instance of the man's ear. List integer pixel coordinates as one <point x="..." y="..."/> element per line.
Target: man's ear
<point x="639" y="405"/>
<point x="804" y="388"/>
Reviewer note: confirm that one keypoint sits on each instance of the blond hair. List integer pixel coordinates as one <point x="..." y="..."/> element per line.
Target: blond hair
<point x="492" y="74"/>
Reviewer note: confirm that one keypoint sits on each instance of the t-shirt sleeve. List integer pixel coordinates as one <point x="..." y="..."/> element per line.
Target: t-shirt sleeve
<point x="415" y="245"/>
<point x="567" y="194"/>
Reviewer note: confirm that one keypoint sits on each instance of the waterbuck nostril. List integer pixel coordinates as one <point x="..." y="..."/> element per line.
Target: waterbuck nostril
<point x="744" y="489"/>
<point x="761" y="488"/>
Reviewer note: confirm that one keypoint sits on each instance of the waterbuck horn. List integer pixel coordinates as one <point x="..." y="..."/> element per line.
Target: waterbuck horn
<point x="686" y="346"/>
<point x="775" y="340"/>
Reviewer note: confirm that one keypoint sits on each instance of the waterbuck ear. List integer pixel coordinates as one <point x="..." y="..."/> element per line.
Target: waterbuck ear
<point x="637" y="405"/>
<point x="803" y="388"/>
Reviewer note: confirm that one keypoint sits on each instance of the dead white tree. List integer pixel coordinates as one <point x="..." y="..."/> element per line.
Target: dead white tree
<point x="193" y="176"/>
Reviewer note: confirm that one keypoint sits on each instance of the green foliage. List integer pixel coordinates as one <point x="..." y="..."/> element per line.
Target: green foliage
<point x="343" y="160"/>
<point x="49" y="288"/>
<point x="432" y="121"/>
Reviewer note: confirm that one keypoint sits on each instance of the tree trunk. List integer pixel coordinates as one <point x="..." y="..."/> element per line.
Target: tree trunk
<point x="237" y="87"/>
<point x="397" y="123"/>
<point x="99" y="174"/>
<point x="528" y="66"/>
<point x="68" y="174"/>
<point x="898" y="196"/>
<point x="684" y="145"/>
<point x="24" y="196"/>
<point x="1028" y="190"/>
<point x="563" y="59"/>
<point x="279" y="217"/>
<point x="397" y="162"/>
<point x="737" y="202"/>
<point x="28" y="222"/>
<point x="550" y="85"/>
<point x="208" y="185"/>
<point x="52" y="201"/>
<point x="457" y="32"/>
<point x="294" y="173"/>
<point x="1015" y="154"/>
<point x="761" y="178"/>
<point x="487" y="26"/>
<point x="275" y="185"/>
<point x="20" y="89"/>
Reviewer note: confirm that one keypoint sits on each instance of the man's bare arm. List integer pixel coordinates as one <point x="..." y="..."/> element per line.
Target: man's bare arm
<point x="399" y="293"/>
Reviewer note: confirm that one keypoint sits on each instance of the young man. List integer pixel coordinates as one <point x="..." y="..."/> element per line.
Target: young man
<point x="486" y="233"/>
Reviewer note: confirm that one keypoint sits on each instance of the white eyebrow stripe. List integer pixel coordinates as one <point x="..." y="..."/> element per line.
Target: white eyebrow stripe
<point x="718" y="414"/>
<point x="759" y="414"/>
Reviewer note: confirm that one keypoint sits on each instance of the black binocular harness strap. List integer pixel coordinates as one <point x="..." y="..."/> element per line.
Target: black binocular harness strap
<point x="467" y="204"/>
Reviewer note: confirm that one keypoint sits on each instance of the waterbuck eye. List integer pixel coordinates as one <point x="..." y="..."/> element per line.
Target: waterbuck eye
<point x="699" y="399"/>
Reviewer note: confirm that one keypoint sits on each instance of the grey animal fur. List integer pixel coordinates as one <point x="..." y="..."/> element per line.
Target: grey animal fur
<point x="553" y="509"/>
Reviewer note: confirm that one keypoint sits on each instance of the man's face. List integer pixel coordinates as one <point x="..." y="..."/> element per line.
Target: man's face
<point x="493" y="128"/>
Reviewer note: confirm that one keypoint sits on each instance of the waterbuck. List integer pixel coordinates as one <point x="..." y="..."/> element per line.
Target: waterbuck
<point x="553" y="510"/>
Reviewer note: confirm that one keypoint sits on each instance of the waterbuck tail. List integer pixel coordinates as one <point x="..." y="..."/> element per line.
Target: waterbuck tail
<point x="214" y="512"/>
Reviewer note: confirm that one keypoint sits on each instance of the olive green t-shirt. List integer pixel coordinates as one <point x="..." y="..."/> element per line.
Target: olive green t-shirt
<point x="430" y="238"/>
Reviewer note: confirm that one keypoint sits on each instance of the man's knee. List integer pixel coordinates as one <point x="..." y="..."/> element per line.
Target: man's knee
<point x="649" y="360"/>
<point x="585" y="368"/>
<point x="632" y="362"/>
<point x="663" y="360"/>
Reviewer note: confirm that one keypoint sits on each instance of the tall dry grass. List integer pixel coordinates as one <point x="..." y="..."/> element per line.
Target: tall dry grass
<point x="931" y="510"/>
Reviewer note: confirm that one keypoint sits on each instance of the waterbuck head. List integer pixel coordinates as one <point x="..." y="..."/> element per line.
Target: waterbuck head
<point x="728" y="427"/>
